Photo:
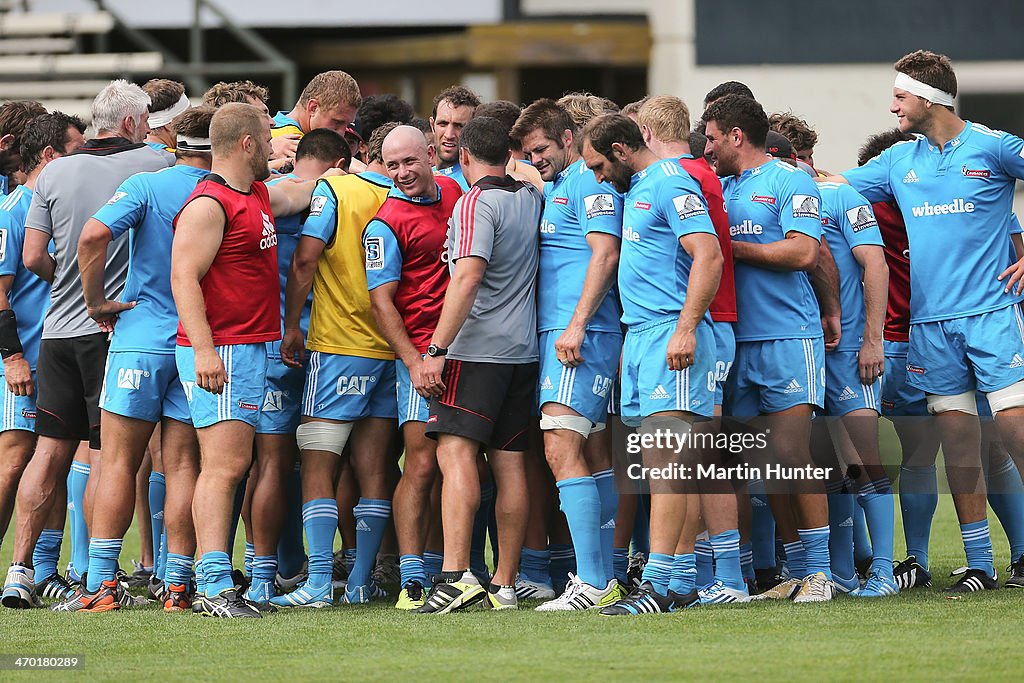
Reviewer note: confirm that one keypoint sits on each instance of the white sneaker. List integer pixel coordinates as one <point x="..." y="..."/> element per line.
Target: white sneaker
<point x="783" y="591"/>
<point x="20" y="589"/>
<point x="815" y="588"/>
<point x="720" y="594"/>
<point x="581" y="596"/>
<point x="531" y="590"/>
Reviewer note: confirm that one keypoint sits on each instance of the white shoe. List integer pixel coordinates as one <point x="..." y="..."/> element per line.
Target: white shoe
<point x="720" y="594"/>
<point x="581" y="596"/>
<point x="783" y="591"/>
<point x="815" y="588"/>
<point x="20" y="589"/>
<point x="531" y="590"/>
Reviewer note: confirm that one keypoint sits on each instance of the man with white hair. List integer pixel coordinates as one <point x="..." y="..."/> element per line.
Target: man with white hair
<point x="73" y="350"/>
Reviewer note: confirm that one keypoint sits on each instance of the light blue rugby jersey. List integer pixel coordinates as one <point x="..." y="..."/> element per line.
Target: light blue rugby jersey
<point x="145" y="204"/>
<point x="575" y="205"/>
<point x="764" y="205"/>
<point x="955" y="202"/>
<point x="455" y="173"/>
<point x="30" y="295"/>
<point x="289" y="230"/>
<point x="664" y="203"/>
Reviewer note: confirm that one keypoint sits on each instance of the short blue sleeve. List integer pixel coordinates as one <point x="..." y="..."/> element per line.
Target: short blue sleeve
<point x="858" y="220"/>
<point x="383" y="257"/>
<point x="323" y="214"/>
<point x="872" y="179"/>
<point x="1014" y="226"/>
<point x="682" y="206"/>
<point x="599" y="206"/>
<point x="799" y="205"/>
<point x="125" y="209"/>
<point x="1011" y="155"/>
<point x="11" y="240"/>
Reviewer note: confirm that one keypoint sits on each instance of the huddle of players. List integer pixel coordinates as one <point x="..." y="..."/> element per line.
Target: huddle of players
<point x="401" y="264"/>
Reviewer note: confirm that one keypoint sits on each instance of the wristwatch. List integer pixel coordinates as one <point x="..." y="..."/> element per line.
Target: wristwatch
<point x="435" y="351"/>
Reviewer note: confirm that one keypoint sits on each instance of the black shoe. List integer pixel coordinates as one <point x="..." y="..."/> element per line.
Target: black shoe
<point x="973" y="580"/>
<point x="229" y="604"/>
<point x="643" y="600"/>
<point x="453" y="591"/>
<point x="240" y="581"/>
<point x="911" y="574"/>
<point x="55" y="587"/>
<point x="635" y="570"/>
<point x="766" y="579"/>
<point x="140" y="577"/>
<point x="863" y="568"/>
<point x="156" y="591"/>
<point x="1016" y="577"/>
<point x="684" y="600"/>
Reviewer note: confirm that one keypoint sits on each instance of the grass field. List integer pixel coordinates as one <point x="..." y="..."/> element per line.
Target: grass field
<point x="914" y="636"/>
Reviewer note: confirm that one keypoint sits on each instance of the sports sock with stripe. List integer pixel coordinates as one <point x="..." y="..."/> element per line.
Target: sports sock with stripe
<point x="862" y="551"/>
<point x="320" y="521"/>
<point x="876" y="499"/>
<point x="840" y="526"/>
<point x="157" y="494"/>
<point x="46" y="553"/>
<point x="563" y="562"/>
<point x="978" y="546"/>
<point x="796" y="559"/>
<point x="1006" y="496"/>
<point x="705" y="563"/>
<point x="103" y="554"/>
<point x="200" y="577"/>
<point x="747" y="561"/>
<point x="217" y="567"/>
<point x="609" y="495"/>
<point x="658" y="571"/>
<point x="684" y="573"/>
<point x="77" y="480"/>
<point x="579" y="500"/>
<point x="371" y="523"/>
<point x="179" y="570"/>
<point x="726" y="549"/>
<point x="264" y="568"/>
<point x="250" y="554"/>
<point x="160" y="564"/>
<point x="535" y="565"/>
<point x="815" y="542"/>
<point x="918" y="499"/>
<point x="432" y="563"/>
<point x="411" y="568"/>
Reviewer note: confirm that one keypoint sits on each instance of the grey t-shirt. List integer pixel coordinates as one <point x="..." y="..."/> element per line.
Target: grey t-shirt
<point x="67" y="193"/>
<point x="498" y="220"/>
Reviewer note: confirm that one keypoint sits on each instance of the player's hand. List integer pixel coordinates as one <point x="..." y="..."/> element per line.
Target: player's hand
<point x="210" y="374"/>
<point x="871" y="360"/>
<point x="427" y="379"/>
<point x="284" y="146"/>
<point x="568" y="345"/>
<point x="18" y="375"/>
<point x="832" y="326"/>
<point x="1014" y="275"/>
<point x="682" y="349"/>
<point x="293" y="348"/>
<point x="105" y="313"/>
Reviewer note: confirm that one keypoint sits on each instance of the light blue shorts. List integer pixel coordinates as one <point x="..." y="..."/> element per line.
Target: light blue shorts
<point x="844" y="392"/>
<point x="411" y="406"/>
<point x="144" y="386"/>
<point x="772" y="376"/>
<point x="242" y="397"/>
<point x="282" y="399"/>
<point x="349" y="387"/>
<point x="586" y="387"/>
<point x="725" y="356"/>
<point x="19" y="412"/>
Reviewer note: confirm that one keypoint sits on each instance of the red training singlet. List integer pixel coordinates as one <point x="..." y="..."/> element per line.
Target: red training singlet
<point x="241" y="289"/>
<point x="897" y="257"/>
<point x="422" y="234"/>
<point x="723" y="306"/>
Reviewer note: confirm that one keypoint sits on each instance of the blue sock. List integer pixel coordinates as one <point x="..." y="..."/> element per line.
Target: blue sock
<point x="747" y="561"/>
<point x="1006" y="496"/>
<point x="762" y="528"/>
<point x="658" y="571"/>
<point x="320" y="520"/>
<point x="796" y="559"/>
<point x="978" y="546"/>
<point x="840" y="538"/>
<point x="179" y="570"/>
<point x="290" y="551"/>
<point x="621" y="564"/>
<point x="157" y="494"/>
<point x="250" y="554"/>
<point x="862" y="551"/>
<point x="46" y="553"/>
<point x="160" y="565"/>
<point x="264" y="568"/>
<point x="642" y="525"/>
<point x="815" y="543"/>
<point x="432" y="563"/>
<point x="236" y="514"/>
<point x="103" y="554"/>
<point x="919" y="495"/>
<point x="581" y="504"/>
<point x="348" y="556"/>
<point x="684" y="574"/>
<point x="200" y="577"/>
<point x="77" y="480"/>
<point x="411" y="568"/>
<point x="217" y="567"/>
<point x="876" y="499"/>
<point x="609" y="495"/>
<point x="563" y="562"/>
<point x="726" y="549"/>
<point x="535" y="565"/>
<point x="371" y="523"/>
<point x="478" y="544"/>
<point x="705" y="563"/>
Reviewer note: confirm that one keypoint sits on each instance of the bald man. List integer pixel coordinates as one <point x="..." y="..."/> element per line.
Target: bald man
<point x="408" y="277"/>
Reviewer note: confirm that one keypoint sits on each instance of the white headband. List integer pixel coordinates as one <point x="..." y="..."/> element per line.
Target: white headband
<point x="161" y="118"/>
<point x="915" y="87"/>
<point x="194" y="144"/>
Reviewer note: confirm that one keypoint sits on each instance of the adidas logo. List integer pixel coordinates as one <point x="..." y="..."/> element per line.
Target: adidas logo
<point x="159" y="515"/>
<point x="846" y="522"/>
<point x="546" y="385"/>
<point x="1017" y="361"/>
<point x="911" y="177"/>
<point x="610" y="524"/>
<point x="361" y="525"/>
<point x="757" y="502"/>
<point x="847" y="394"/>
<point x="659" y="393"/>
<point x="793" y="387"/>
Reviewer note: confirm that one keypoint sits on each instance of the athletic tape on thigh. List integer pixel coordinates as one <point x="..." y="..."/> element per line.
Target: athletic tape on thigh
<point x="1007" y="397"/>
<point x="963" y="403"/>
<point x="323" y="436"/>
<point x="574" y="423"/>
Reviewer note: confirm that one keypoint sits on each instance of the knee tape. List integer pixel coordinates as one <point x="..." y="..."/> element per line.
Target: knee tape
<point x="963" y="403"/>
<point x="1007" y="397"/>
<point x="669" y="423"/>
<point x="323" y="436"/>
<point x="574" y="423"/>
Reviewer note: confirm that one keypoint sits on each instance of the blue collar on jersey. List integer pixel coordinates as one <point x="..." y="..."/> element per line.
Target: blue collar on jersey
<point x="422" y="201"/>
<point x="282" y="119"/>
<point x="376" y="178"/>
<point x="950" y="144"/>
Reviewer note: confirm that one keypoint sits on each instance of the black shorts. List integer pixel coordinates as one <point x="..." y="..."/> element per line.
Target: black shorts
<point x="487" y="402"/>
<point x="70" y="377"/>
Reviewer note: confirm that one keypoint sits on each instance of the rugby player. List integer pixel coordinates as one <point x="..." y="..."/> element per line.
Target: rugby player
<point x="167" y="100"/>
<point x="14" y="117"/>
<point x="481" y="365"/>
<point x="798" y="132"/>
<point x="330" y="100"/>
<point x="24" y="298"/>
<point x="453" y="108"/>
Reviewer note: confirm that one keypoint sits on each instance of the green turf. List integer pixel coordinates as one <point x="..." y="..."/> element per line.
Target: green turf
<point x="915" y="636"/>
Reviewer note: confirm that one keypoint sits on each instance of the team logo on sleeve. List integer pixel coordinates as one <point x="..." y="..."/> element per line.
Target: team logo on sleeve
<point x="861" y="218"/>
<point x="118" y="196"/>
<point x="599" y="205"/>
<point x="688" y="206"/>
<point x="316" y="206"/>
<point x="374" y="253"/>
<point x="805" y="206"/>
